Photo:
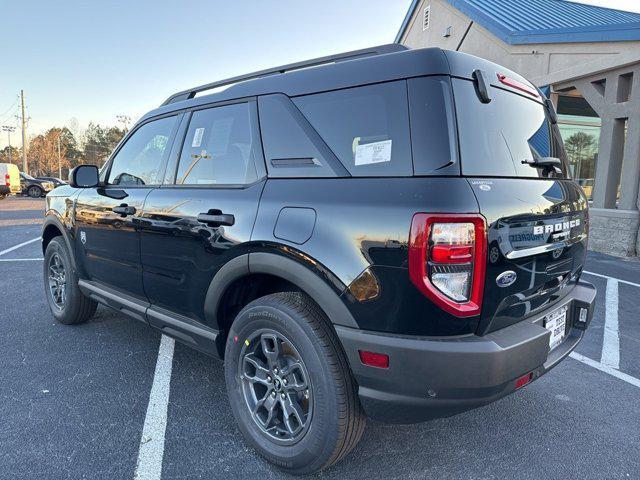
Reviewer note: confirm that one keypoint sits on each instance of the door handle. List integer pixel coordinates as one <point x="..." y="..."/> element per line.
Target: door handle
<point x="124" y="210"/>
<point x="215" y="218"/>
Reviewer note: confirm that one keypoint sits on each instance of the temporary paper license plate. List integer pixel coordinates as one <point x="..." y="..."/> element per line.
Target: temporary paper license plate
<point x="556" y="322"/>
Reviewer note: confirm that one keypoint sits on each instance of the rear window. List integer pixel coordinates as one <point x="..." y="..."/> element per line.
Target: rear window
<point x="498" y="138"/>
<point x="367" y="128"/>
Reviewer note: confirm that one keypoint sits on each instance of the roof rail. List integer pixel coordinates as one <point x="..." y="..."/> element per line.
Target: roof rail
<point x="366" y="52"/>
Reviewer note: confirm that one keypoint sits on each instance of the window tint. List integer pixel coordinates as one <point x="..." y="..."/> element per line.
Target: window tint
<point x="140" y="159"/>
<point x="219" y="147"/>
<point x="366" y="127"/>
<point x="291" y="146"/>
<point x="497" y="137"/>
<point x="432" y="126"/>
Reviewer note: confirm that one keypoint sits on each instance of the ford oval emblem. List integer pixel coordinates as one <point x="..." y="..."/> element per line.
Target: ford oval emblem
<point x="506" y="278"/>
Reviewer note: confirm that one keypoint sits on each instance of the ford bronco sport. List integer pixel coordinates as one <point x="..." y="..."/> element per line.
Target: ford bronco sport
<point x="392" y="233"/>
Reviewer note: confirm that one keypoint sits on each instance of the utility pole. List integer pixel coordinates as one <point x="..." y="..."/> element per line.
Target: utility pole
<point x="59" y="159"/>
<point x="9" y="129"/>
<point x="25" y="167"/>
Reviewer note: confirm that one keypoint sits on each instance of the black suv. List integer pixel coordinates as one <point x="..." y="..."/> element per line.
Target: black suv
<point x="35" y="187"/>
<point x="392" y="233"/>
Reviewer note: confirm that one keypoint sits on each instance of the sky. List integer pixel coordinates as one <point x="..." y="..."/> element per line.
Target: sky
<point x="82" y="61"/>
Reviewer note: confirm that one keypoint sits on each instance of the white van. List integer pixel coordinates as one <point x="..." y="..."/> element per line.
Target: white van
<point x="9" y="180"/>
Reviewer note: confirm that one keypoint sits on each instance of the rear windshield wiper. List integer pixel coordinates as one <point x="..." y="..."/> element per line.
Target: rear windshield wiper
<point x="548" y="164"/>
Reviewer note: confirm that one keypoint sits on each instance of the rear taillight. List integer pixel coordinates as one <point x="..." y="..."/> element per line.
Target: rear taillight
<point x="7" y="180"/>
<point x="447" y="255"/>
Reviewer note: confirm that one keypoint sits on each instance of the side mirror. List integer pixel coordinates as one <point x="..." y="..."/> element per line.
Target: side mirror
<point x="84" y="176"/>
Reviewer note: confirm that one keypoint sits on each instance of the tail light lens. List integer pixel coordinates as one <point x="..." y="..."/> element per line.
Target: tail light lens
<point x="7" y="180"/>
<point x="447" y="260"/>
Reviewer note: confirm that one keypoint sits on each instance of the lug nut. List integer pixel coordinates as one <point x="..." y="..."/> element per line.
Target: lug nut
<point x="273" y="394"/>
<point x="284" y="380"/>
<point x="306" y="394"/>
<point x="275" y="370"/>
<point x="268" y="378"/>
<point x="282" y="396"/>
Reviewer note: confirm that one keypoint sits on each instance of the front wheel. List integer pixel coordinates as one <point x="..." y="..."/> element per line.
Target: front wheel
<point x="67" y="303"/>
<point x="289" y="384"/>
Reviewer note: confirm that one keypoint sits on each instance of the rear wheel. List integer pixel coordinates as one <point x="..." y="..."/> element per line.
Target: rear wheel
<point x="67" y="303"/>
<point x="34" y="191"/>
<point x="289" y="384"/>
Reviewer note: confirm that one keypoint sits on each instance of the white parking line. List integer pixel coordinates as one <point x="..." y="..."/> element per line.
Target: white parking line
<point x="606" y="369"/>
<point x="151" y="452"/>
<point x="21" y="259"/>
<point x="613" y="278"/>
<point x="19" y="245"/>
<point x="611" y="342"/>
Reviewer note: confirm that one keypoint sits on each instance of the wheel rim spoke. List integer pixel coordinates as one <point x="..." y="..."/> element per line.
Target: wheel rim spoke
<point x="293" y="415"/>
<point x="261" y="371"/>
<point x="271" y="349"/>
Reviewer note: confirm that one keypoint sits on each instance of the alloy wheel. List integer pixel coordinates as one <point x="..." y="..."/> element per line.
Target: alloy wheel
<point x="57" y="280"/>
<point x="276" y="386"/>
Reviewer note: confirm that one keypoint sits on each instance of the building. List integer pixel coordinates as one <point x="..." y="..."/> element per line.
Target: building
<point x="587" y="59"/>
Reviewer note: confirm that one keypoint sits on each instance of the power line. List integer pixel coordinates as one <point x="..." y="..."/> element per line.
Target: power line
<point x="10" y="108"/>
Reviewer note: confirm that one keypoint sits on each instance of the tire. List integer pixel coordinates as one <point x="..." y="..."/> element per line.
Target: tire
<point x="68" y="304"/>
<point x="333" y="418"/>
<point x="34" y="191"/>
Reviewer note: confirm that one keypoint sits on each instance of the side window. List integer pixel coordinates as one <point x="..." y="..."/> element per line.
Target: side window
<point x="291" y="146"/>
<point x="433" y="127"/>
<point x="366" y="127"/>
<point x="219" y="147"/>
<point x="140" y="159"/>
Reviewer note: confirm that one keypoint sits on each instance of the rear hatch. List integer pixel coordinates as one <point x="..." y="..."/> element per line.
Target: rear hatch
<point x="536" y="216"/>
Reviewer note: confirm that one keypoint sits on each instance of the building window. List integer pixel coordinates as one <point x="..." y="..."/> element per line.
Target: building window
<point x="579" y="125"/>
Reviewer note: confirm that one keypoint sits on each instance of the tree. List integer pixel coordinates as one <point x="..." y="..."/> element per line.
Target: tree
<point x="580" y="147"/>
<point x="12" y="156"/>
<point x="45" y="148"/>
<point x="99" y="142"/>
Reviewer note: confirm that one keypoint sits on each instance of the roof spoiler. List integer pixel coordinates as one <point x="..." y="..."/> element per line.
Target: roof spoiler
<point x="366" y="52"/>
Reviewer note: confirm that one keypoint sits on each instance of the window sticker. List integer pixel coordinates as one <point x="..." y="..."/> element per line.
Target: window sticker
<point x="376" y="152"/>
<point x="197" y="138"/>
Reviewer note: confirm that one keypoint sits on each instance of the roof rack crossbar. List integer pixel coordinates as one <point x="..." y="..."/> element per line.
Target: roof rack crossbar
<point x="379" y="50"/>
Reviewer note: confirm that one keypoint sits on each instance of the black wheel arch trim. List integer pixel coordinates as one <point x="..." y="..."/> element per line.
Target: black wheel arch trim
<point x="53" y="220"/>
<point x="280" y="266"/>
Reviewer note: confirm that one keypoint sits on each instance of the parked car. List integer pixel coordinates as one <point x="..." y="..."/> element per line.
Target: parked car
<point x="391" y="234"/>
<point x="34" y="187"/>
<point x="55" y="180"/>
<point x="9" y="180"/>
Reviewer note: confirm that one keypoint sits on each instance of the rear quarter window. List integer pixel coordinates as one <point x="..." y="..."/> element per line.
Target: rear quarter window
<point x="367" y="127"/>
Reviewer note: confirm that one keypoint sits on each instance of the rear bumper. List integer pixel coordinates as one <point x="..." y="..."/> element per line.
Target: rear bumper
<point x="437" y="377"/>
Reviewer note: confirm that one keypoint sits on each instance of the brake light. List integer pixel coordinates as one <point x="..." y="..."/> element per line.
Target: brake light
<point x="510" y="82"/>
<point x="7" y="180"/>
<point x="447" y="260"/>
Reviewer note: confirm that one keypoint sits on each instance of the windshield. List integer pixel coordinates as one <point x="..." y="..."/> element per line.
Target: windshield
<point x="27" y="176"/>
<point x="505" y="136"/>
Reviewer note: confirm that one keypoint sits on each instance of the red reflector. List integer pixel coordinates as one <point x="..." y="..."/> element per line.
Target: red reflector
<point x="379" y="360"/>
<point x="452" y="253"/>
<point x="522" y="381"/>
<point x="510" y="82"/>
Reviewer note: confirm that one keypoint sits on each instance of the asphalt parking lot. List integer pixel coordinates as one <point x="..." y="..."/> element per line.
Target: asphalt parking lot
<point x="75" y="401"/>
